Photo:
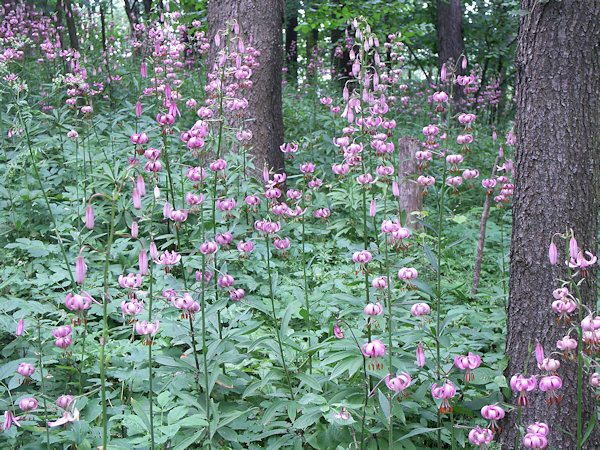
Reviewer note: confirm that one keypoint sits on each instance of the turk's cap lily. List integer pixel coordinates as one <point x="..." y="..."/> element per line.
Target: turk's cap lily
<point x="66" y="418"/>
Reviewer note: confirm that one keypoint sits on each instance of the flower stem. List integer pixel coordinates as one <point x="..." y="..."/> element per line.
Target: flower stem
<point x="277" y="330"/>
<point x="150" y="376"/>
<point x="105" y="300"/>
<point x="39" y="180"/>
<point x="41" y="363"/>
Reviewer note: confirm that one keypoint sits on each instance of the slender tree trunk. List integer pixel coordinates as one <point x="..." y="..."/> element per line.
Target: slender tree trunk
<point x="262" y="21"/>
<point x="556" y="187"/>
<point x="71" y="24"/>
<point x="291" y="40"/>
<point x="482" y="227"/>
<point x="450" y="39"/>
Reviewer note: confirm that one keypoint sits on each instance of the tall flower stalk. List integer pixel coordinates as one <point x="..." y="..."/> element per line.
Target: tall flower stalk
<point x="275" y="321"/>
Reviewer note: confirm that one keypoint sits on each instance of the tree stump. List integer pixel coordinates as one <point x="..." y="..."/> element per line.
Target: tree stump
<point x="411" y="193"/>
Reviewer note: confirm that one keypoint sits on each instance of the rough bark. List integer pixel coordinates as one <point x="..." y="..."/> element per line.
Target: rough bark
<point x="262" y="21"/>
<point x="71" y="24"/>
<point x="450" y="39"/>
<point x="291" y="40"/>
<point x="556" y="187"/>
<point x="411" y="193"/>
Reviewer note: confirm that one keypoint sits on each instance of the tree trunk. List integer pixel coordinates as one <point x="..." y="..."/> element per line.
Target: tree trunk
<point x="262" y="21"/>
<point x="71" y="24"/>
<point x="411" y="193"/>
<point x="556" y="188"/>
<point x="291" y="40"/>
<point x="129" y="12"/>
<point x="148" y="8"/>
<point x="450" y="40"/>
<point x="59" y="23"/>
<point x="312" y="39"/>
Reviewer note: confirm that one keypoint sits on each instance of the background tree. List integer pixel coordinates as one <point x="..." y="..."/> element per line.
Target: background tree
<point x="556" y="187"/>
<point x="450" y="39"/>
<point x="291" y="40"/>
<point x="263" y="21"/>
<point x="68" y="9"/>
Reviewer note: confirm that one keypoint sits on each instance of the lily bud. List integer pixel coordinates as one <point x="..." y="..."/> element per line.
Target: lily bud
<point x="89" y="217"/>
<point x="141" y="185"/>
<point x="395" y="189"/>
<point x="143" y="262"/>
<point x="134" y="229"/>
<point x="153" y="250"/>
<point x="80" y="269"/>
<point x="20" y="328"/>
<point x="420" y="356"/>
<point x="137" y="199"/>
<point x="553" y="253"/>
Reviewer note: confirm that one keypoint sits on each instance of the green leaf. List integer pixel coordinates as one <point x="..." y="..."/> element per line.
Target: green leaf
<point x="416" y="432"/>
<point x="176" y="414"/>
<point x="385" y="404"/>
<point x="139" y="410"/>
<point x="589" y="428"/>
<point x="186" y="443"/>
<point x="430" y="256"/>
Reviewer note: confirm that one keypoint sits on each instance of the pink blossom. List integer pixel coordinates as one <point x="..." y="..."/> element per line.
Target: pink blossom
<point x="522" y="384"/>
<point x="28" y="404"/>
<point x="468" y="363"/>
<point x="532" y="440"/>
<point x="245" y="246"/>
<point x="550" y="384"/>
<point x="374" y="349"/>
<point x="480" y="436"/>
<point x="337" y="331"/>
<point x="373" y="309"/>
<point x="399" y="383"/>
<point x="224" y="238"/>
<point x="208" y="248"/>
<point x="67" y="417"/>
<point x="444" y="392"/>
<point x="237" y="294"/>
<point x="25" y="369"/>
<point x="9" y="420"/>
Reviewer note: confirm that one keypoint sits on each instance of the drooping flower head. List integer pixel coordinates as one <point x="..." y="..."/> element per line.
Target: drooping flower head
<point x="468" y="364"/>
<point x="374" y="349"/>
<point x="445" y="393"/>
<point x="522" y="384"/>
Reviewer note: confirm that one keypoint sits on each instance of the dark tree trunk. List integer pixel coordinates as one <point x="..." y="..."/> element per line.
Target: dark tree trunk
<point x="312" y="39"/>
<point x="148" y="7"/>
<point x="59" y="23"/>
<point x="71" y="24"/>
<point x="450" y="39"/>
<point x="291" y="40"/>
<point x="342" y="65"/>
<point x="130" y="13"/>
<point x="263" y="21"/>
<point x="556" y="187"/>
